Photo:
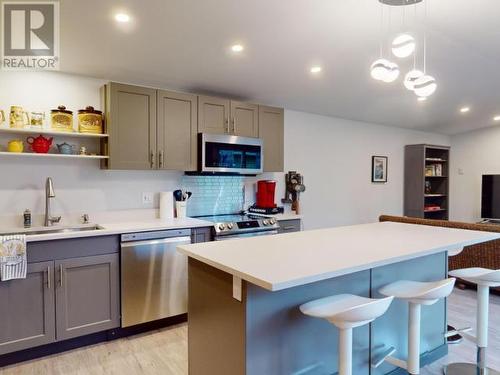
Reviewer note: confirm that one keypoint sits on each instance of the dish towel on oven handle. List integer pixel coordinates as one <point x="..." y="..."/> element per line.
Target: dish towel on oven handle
<point x="13" y="260"/>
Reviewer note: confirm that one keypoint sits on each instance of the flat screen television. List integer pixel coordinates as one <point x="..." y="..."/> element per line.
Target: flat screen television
<point x="490" y="196"/>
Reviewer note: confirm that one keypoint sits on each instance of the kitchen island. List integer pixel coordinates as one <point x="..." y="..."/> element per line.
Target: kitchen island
<point x="244" y="296"/>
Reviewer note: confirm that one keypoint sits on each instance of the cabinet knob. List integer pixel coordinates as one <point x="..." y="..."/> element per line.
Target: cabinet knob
<point x="152" y="160"/>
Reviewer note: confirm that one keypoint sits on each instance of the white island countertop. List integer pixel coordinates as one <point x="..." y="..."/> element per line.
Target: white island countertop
<point x="287" y="260"/>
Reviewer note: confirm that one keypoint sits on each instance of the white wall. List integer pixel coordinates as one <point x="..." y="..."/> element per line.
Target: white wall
<point x="333" y="154"/>
<point x="474" y="153"/>
<point x="335" y="157"/>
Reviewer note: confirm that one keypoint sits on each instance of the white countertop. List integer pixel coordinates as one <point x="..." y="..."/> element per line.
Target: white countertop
<point x="123" y="227"/>
<point x="286" y="260"/>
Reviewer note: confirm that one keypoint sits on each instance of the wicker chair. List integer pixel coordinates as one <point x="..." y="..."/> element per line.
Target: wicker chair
<point x="486" y="254"/>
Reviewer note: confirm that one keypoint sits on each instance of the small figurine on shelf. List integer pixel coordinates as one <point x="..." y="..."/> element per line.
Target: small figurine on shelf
<point x="428" y="187"/>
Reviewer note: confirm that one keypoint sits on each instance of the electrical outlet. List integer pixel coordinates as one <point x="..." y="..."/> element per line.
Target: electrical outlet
<point x="147" y="198"/>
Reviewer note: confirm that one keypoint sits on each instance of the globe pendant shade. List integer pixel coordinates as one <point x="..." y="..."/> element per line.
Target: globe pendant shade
<point x="411" y="77"/>
<point x="425" y="86"/>
<point x="403" y="45"/>
<point x="378" y="69"/>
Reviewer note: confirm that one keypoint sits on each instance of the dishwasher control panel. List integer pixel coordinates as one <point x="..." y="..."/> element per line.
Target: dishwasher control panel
<point x="142" y="236"/>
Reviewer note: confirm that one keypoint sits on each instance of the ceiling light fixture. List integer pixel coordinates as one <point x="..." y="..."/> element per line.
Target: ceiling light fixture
<point x="237" y="48"/>
<point x="403" y="46"/>
<point x="496" y="118"/>
<point x="122" y="17"/>
<point x="411" y="77"/>
<point x="464" y="109"/>
<point x="392" y="73"/>
<point x="316" y="69"/>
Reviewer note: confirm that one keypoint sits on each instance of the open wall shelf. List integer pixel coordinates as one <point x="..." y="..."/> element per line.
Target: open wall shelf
<point x="33" y="132"/>
<point x="62" y="156"/>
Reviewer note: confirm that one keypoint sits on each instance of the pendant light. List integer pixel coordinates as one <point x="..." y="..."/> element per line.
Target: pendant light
<point x="383" y="69"/>
<point x="425" y="85"/>
<point x="403" y="45"/>
<point x="379" y="69"/>
<point x="411" y="77"/>
<point x="392" y="73"/>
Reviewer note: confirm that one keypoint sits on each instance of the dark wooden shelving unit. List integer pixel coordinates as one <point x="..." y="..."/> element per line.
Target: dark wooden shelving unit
<point x="422" y="190"/>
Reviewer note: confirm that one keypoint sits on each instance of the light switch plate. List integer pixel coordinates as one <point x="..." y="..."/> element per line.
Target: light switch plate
<point x="147" y="198"/>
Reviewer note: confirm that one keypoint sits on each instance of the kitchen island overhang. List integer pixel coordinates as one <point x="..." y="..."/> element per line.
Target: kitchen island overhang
<point x="265" y="333"/>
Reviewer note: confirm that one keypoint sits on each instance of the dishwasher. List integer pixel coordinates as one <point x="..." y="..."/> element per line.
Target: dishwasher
<point x="153" y="275"/>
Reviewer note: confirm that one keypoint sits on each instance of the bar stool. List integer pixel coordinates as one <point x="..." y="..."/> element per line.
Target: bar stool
<point x="484" y="279"/>
<point x="346" y="311"/>
<point x="416" y="294"/>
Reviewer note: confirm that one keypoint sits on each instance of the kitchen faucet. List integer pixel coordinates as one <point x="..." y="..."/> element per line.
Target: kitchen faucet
<point x="49" y="193"/>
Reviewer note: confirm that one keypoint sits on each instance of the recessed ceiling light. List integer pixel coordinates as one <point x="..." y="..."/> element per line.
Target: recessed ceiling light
<point x="316" y="69"/>
<point x="464" y="109"/>
<point x="496" y="118"/>
<point x="237" y="48"/>
<point x="422" y="98"/>
<point x="122" y="17"/>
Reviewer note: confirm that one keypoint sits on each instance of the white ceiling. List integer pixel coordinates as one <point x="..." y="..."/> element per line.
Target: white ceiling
<point x="183" y="44"/>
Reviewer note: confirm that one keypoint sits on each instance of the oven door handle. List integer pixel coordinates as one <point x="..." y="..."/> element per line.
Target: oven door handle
<point x="245" y="235"/>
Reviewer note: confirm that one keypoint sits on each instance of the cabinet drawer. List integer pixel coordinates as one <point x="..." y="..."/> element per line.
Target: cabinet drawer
<point x="287" y="226"/>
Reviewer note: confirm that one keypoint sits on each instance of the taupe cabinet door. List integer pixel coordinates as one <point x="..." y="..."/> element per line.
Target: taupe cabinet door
<point x="213" y="115"/>
<point x="244" y="119"/>
<point x="271" y="130"/>
<point x="27" y="317"/>
<point x="131" y="124"/>
<point x="87" y="295"/>
<point x="177" y="131"/>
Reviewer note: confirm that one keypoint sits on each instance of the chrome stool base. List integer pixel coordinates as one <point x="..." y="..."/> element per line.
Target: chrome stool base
<point x="468" y="369"/>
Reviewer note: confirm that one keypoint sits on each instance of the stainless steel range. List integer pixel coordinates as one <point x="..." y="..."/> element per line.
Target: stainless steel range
<point x="242" y="225"/>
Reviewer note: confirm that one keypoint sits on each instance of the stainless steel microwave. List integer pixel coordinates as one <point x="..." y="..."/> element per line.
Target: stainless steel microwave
<point x="230" y="154"/>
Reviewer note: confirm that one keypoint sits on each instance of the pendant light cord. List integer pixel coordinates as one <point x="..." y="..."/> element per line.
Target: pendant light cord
<point x="381" y="29"/>
<point x="415" y="52"/>
<point x="425" y="37"/>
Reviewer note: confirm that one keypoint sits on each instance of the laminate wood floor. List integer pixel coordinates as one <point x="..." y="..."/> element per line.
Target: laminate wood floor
<point x="164" y="352"/>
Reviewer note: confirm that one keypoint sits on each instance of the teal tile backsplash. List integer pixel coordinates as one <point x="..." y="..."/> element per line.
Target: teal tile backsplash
<point x="214" y="195"/>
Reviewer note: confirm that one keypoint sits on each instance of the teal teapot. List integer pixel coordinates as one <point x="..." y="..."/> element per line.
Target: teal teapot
<point x="65" y="148"/>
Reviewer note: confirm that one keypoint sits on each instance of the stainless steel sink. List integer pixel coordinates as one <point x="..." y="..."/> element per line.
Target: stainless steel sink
<point x="32" y="232"/>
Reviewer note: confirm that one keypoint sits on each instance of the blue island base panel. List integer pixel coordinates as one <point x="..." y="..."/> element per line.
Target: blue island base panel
<point x="280" y="340"/>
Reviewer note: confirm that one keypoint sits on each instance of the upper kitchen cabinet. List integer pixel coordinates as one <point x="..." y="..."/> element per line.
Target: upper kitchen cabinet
<point x="177" y="131"/>
<point x="213" y="115"/>
<point x="244" y="119"/>
<point x="131" y="125"/>
<point x="223" y="116"/>
<point x="271" y="130"/>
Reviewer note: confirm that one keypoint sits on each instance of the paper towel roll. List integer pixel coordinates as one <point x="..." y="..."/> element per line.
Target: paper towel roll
<point x="166" y="205"/>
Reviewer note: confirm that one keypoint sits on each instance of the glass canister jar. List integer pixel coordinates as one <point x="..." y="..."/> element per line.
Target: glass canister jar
<point x="90" y="120"/>
<point x="61" y="119"/>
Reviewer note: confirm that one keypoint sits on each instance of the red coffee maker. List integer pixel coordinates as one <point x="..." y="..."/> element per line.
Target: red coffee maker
<point x="265" y="194"/>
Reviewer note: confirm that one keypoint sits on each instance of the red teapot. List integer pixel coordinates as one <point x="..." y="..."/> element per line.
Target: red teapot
<point x="40" y="144"/>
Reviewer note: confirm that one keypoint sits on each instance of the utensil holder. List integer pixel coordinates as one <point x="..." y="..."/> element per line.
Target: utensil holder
<point x="180" y="209"/>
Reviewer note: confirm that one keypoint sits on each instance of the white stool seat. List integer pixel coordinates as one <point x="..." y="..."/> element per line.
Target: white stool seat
<point x="347" y="310"/>
<point x="479" y="276"/>
<point x="422" y="293"/>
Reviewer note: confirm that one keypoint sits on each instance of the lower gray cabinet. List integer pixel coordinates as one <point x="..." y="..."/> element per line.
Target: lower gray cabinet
<point x="87" y="295"/>
<point x="27" y="316"/>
